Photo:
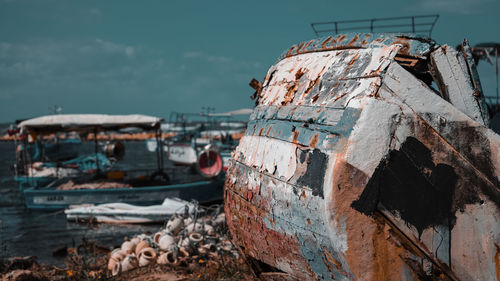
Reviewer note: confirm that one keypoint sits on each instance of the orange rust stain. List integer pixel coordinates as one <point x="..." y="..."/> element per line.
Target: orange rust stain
<point x="327" y="40"/>
<point x="315" y="98"/>
<point x="365" y="41"/>
<point x="497" y="262"/>
<point x="314" y="141"/>
<point x="340" y="38"/>
<point x="308" y="44"/>
<point x="351" y="63"/>
<point x="303" y="194"/>
<point x="272" y="220"/>
<point x="290" y="51"/>
<point x="269" y="130"/>
<point x="290" y="94"/>
<point x="311" y="85"/>
<point x="329" y="267"/>
<point x="275" y="98"/>
<point x="249" y="195"/>
<point x="353" y="40"/>
<point x="410" y="62"/>
<point x="329" y="260"/>
<point x="250" y="233"/>
<point x="369" y="254"/>
<point x="260" y="131"/>
<point x="292" y="68"/>
<point x="295" y="136"/>
<point x="308" y="222"/>
<point x="333" y="261"/>
<point x="292" y="89"/>
<point x="299" y="74"/>
<point x="405" y="49"/>
<point x="340" y="96"/>
<point x="300" y="46"/>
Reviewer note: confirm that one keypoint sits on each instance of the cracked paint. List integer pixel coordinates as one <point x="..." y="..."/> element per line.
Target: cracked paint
<point x="354" y="168"/>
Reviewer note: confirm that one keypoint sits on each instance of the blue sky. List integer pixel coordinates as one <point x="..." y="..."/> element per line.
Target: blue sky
<point x="154" y="57"/>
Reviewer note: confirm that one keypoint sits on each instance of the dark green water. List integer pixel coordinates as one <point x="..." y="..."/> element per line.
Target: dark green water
<point x="27" y="233"/>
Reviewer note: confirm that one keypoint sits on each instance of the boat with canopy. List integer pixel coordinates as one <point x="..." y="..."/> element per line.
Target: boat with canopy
<point x="93" y="179"/>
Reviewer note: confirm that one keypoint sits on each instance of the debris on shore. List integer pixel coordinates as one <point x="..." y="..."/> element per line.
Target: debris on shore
<point x="190" y="246"/>
<point x="187" y="240"/>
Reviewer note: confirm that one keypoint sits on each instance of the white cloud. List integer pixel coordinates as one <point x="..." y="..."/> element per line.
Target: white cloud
<point x="219" y="59"/>
<point x="192" y="54"/>
<point x="116" y="48"/>
<point x="223" y="63"/>
<point x="95" y="12"/>
<point x="129" y="51"/>
<point x="109" y="77"/>
<point x="50" y="66"/>
<point x="206" y="57"/>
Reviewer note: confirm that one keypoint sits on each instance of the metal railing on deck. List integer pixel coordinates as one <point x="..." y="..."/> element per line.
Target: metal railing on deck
<point x="412" y="24"/>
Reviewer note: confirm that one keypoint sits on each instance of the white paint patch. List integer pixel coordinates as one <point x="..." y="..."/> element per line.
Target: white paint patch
<point x="371" y="137"/>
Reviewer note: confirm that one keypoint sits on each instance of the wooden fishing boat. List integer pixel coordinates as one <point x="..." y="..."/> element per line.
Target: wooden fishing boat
<point x="197" y="138"/>
<point x="104" y="183"/>
<point x="368" y="157"/>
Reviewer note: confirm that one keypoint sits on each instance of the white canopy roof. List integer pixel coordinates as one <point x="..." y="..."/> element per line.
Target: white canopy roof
<point x="243" y="111"/>
<point x="82" y="122"/>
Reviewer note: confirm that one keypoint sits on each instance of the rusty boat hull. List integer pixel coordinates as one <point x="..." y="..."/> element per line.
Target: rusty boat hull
<point x="368" y="157"/>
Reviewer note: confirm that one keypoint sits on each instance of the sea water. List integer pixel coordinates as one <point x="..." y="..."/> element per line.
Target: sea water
<point x="37" y="233"/>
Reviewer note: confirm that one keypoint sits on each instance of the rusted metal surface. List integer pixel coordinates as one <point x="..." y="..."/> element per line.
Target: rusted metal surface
<point x="410" y="45"/>
<point x="353" y="168"/>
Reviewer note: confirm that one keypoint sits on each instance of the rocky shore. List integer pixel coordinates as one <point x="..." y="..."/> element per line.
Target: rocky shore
<point x="191" y="246"/>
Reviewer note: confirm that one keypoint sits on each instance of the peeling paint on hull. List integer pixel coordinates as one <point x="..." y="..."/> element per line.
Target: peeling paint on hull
<point x="354" y="168"/>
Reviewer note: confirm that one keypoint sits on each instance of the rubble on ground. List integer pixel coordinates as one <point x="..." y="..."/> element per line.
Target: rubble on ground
<point x="187" y="240"/>
<point x="190" y="246"/>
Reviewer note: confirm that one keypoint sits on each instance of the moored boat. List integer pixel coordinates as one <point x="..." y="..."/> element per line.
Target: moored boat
<point x="200" y="139"/>
<point x="129" y="214"/>
<point x="107" y="183"/>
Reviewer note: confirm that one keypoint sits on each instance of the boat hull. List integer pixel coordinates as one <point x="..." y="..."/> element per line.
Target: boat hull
<point x="204" y="191"/>
<point x="127" y="213"/>
<point x="352" y="168"/>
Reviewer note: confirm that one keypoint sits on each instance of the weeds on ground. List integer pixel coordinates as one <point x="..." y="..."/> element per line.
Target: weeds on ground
<point x="88" y="260"/>
<point x="3" y="249"/>
<point x="226" y="267"/>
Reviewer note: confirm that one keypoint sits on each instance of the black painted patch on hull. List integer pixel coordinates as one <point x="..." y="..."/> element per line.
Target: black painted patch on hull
<point x="471" y="142"/>
<point x="315" y="172"/>
<point x="407" y="182"/>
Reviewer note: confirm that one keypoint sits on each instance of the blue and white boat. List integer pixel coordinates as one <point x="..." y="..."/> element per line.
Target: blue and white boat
<point x="201" y="138"/>
<point x="93" y="179"/>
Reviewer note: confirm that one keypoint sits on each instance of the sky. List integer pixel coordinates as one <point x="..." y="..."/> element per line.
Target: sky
<point x="158" y="56"/>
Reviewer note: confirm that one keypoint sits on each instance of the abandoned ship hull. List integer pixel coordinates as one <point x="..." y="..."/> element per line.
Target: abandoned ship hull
<point x="354" y="168"/>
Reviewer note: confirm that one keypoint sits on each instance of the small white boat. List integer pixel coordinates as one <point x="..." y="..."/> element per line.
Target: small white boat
<point x="127" y="213"/>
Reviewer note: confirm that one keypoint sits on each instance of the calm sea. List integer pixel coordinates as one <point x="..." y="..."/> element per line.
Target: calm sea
<point x="26" y="233"/>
